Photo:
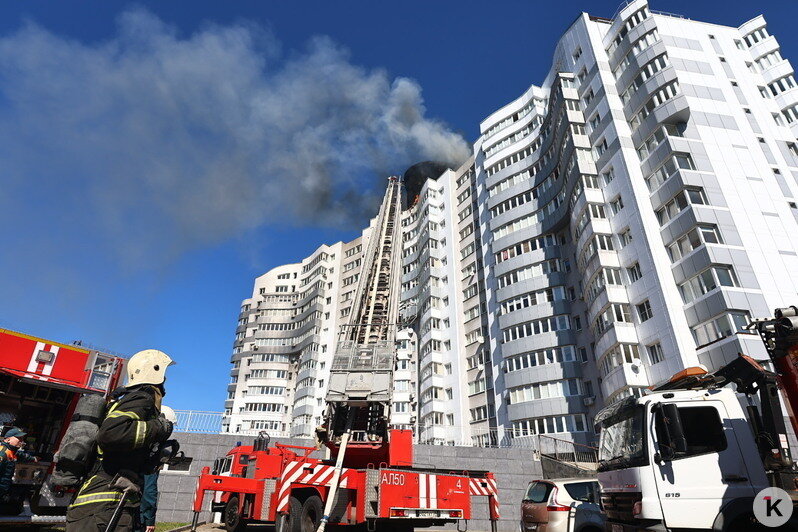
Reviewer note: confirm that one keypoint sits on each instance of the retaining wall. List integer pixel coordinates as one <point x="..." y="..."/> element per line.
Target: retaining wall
<point x="514" y="468"/>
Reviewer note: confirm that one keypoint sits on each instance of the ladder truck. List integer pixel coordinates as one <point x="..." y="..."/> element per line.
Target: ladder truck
<point x="369" y="480"/>
<point x="691" y="455"/>
<point x="41" y="382"/>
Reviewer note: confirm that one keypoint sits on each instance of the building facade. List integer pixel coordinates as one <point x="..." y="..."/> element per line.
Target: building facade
<point x="619" y="222"/>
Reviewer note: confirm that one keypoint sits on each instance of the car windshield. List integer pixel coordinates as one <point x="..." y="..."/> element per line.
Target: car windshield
<point x="621" y="438"/>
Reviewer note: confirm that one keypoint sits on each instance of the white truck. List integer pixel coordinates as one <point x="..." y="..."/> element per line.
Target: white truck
<point x="690" y="456"/>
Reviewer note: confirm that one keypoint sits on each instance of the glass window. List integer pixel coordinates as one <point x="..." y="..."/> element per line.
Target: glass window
<point x="655" y="354"/>
<point x="696" y="196"/>
<point x="710" y="234"/>
<point x="707" y="280"/>
<point x="582" y="491"/>
<point x="725" y="276"/>
<point x="703" y="430"/>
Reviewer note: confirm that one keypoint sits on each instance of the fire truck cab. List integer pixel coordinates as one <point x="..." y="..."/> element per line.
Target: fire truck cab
<point x="40" y="384"/>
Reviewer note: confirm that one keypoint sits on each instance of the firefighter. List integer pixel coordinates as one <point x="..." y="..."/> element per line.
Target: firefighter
<point x="10" y="453"/>
<point x="149" y="495"/>
<point x="128" y="436"/>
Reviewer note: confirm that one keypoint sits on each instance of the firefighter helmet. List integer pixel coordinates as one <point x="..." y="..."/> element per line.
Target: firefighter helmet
<point x="148" y="367"/>
<point x="169" y="414"/>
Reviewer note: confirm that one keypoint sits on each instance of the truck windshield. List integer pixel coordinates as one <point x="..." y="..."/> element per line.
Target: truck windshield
<point x="621" y="442"/>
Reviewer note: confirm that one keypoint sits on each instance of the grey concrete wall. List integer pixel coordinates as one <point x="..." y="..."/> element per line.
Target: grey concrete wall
<point x="514" y="469"/>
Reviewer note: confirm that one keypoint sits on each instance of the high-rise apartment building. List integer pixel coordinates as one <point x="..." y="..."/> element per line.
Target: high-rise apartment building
<point x="617" y="223"/>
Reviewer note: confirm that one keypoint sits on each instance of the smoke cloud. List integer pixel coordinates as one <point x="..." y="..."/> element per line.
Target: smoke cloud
<point x="151" y="143"/>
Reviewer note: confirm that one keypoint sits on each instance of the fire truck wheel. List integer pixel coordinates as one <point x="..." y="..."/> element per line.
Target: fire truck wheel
<point x="291" y="521"/>
<point x="232" y="517"/>
<point x="312" y="511"/>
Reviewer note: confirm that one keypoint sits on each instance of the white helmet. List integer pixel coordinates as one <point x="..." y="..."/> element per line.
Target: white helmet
<point x="169" y="414"/>
<point x="148" y="367"/>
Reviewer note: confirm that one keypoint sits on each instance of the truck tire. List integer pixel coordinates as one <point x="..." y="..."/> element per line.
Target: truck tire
<point x="291" y="521"/>
<point x="233" y="522"/>
<point x="312" y="512"/>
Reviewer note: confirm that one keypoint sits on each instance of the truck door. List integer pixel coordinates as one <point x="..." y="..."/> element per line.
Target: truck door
<point x="696" y="483"/>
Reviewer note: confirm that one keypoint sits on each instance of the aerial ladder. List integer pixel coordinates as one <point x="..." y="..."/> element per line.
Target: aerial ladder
<point x="361" y="377"/>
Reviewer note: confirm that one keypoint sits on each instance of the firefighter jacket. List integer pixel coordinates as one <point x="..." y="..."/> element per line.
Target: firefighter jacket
<point x="9" y="456"/>
<point x="124" y="442"/>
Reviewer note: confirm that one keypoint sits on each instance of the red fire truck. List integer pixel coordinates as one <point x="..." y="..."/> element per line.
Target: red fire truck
<point x="40" y="384"/>
<point x="282" y="484"/>
<point x="370" y="479"/>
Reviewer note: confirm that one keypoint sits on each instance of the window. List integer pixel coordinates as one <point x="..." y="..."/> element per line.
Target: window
<point x="616" y="205"/>
<point x="595" y="121"/>
<point x="583" y="491"/>
<point x="682" y="200"/>
<point x="666" y="93"/>
<point x="668" y="168"/>
<point x="550" y="324"/>
<point x="608" y="175"/>
<point x="693" y="239"/>
<point x="549" y="425"/>
<point x="720" y="327"/>
<point x="655" y="355"/>
<point x="525" y="247"/>
<point x="538" y="492"/>
<point x="577" y="323"/>
<point x="618" y="355"/>
<point x="545" y="390"/>
<point x="702" y="428"/>
<point x="634" y="272"/>
<point x="531" y="359"/>
<point x="626" y="237"/>
<point x="529" y="299"/>
<point x="644" y="311"/>
<point x="616" y="312"/>
<point x="600" y="148"/>
<point x="706" y="281"/>
<point x="782" y="84"/>
<point x="577" y="53"/>
<point x="646" y="72"/>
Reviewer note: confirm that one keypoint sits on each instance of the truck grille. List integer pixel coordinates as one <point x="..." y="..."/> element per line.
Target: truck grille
<point x="618" y="506"/>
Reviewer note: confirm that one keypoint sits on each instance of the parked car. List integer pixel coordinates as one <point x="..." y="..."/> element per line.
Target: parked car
<point x="562" y="505"/>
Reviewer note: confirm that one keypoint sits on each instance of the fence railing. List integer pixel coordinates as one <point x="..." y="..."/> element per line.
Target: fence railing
<point x="567" y="450"/>
<point x="197" y="422"/>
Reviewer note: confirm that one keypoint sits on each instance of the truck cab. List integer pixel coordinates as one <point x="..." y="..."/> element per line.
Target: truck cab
<point x="707" y="482"/>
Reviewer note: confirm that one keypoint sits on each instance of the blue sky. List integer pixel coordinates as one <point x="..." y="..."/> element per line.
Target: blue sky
<point x="141" y="194"/>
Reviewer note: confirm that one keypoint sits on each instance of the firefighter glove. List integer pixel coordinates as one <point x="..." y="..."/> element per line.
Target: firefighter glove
<point x="165" y="428"/>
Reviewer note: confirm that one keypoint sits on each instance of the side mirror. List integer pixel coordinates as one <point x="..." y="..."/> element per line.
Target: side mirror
<point x="670" y="433"/>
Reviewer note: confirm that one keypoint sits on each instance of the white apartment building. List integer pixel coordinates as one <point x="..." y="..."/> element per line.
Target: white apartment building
<point x="619" y="222"/>
<point x="637" y="209"/>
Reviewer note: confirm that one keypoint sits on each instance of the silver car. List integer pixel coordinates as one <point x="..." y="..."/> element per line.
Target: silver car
<point x="562" y="505"/>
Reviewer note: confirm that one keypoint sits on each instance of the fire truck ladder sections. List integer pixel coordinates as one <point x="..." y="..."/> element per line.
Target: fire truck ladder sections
<point x="339" y="464"/>
<point x="361" y="373"/>
<point x="376" y="297"/>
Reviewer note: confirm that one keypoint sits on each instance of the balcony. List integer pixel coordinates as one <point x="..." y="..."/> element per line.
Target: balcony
<point x="624" y="376"/>
<point x="620" y="332"/>
<point x="593" y="227"/>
